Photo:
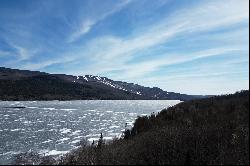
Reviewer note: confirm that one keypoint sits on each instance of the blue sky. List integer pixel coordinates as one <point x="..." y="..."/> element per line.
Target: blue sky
<point x="187" y="46"/>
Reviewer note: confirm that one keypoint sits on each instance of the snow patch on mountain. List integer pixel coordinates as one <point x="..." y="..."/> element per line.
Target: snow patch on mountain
<point x="108" y="82"/>
<point x="139" y="93"/>
<point x="123" y="86"/>
<point x="86" y="78"/>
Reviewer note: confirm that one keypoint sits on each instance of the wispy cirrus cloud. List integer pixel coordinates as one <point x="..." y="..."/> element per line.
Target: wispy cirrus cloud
<point x="4" y="53"/>
<point x="84" y="28"/>
<point x="22" y="53"/>
<point x="87" y="23"/>
<point x="46" y="63"/>
<point x="146" y="67"/>
<point x="136" y="41"/>
<point x="181" y="23"/>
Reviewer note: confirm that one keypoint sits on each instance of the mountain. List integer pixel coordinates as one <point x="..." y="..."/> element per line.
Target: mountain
<point x="34" y="85"/>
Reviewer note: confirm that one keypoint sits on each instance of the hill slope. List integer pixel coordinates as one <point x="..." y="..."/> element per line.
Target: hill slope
<point x="34" y="85"/>
<point x="199" y="132"/>
<point x="208" y="131"/>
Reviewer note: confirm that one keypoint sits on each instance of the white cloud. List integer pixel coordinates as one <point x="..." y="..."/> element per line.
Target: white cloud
<point x="142" y="68"/>
<point x="218" y="77"/>
<point x="112" y="54"/>
<point x="208" y="16"/>
<point x="43" y="64"/>
<point x="213" y="14"/>
<point x="23" y="53"/>
<point x="84" y="28"/>
<point x="87" y="24"/>
<point x="4" y="53"/>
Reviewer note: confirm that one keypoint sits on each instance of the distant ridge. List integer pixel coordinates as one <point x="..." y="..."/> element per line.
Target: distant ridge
<point x="18" y="84"/>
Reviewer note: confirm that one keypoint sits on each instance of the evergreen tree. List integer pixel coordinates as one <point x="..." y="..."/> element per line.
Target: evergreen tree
<point x="100" y="142"/>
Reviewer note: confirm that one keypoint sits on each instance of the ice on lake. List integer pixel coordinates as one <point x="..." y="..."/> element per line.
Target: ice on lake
<point x="55" y="127"/>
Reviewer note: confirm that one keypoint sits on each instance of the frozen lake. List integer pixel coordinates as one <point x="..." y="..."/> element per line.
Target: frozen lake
<point x="55" y="127"/>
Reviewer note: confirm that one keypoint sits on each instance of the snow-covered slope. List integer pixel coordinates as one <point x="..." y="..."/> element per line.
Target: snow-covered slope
<point x="147" y="92"/>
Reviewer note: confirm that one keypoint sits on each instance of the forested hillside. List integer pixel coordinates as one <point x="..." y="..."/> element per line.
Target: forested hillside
<point x="34" y="85"/>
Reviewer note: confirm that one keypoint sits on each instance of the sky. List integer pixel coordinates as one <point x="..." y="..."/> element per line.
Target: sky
<point x="185" y="46"/>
